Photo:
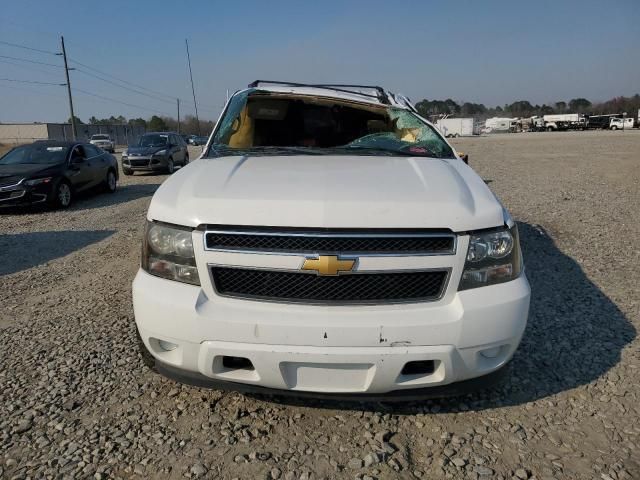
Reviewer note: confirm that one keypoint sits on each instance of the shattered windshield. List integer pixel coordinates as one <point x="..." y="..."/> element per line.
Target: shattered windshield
<point x="263" y="123"/>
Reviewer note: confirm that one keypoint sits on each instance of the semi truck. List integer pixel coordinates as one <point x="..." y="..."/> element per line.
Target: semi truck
<point x="457" y="127"/>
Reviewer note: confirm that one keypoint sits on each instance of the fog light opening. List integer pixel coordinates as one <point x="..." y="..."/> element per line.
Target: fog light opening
<point x="491" y="352"/>
<point x="419" y="367"/>
<point x="167" y="346"/>
<point x="237" y="363"/>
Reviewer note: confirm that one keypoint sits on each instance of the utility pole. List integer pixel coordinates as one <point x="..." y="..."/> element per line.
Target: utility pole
<point x="193" y="91"/>
<point x="74" y="132"/>
<point x="178" y="103"/>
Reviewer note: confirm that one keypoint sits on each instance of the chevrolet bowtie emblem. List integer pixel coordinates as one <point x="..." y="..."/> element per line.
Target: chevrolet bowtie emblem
<point x="328" y="265"/>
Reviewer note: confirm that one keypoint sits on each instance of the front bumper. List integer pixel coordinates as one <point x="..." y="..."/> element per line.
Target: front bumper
<point x="106" y="147"/>
<point x="145" y="164"/>
<point x="348" y="350"/>
<point x="23" y="195"/>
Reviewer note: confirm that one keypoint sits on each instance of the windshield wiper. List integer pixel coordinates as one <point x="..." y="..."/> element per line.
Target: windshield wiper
<point x="225" y="150"/>
<point x="377" y="150"/>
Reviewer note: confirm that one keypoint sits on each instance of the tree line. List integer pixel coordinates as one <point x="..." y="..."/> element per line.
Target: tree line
<point x="524" y="108"/>
<point x="188" y="124"/>
<point x="426" y="108"/>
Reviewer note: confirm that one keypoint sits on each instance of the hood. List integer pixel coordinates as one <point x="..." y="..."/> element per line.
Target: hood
<point x="145" y="150"/>
<point x="12" y="174"/>
<point x="328" y="192"/>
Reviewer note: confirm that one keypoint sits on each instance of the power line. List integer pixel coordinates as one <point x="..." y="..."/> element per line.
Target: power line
<point x="121" y="80"/>
<point x="26" y="67"/>
<point x="118" y="101"/>
<point x="36" y="92"/>
<point x="30" y="61"/>
<point x="31" y="81"/>
<point x="165" y="97"/>
<point x="124" y="87"/>
<point x="28" y="48"/>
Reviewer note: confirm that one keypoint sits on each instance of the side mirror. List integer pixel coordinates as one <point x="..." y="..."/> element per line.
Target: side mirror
<point x="464" y="157"/>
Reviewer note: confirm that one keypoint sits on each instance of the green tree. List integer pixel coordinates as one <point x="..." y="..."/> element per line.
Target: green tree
<point x="138" y="122"/>
<point x="545" y="110"/>
<point x="521" y="108"/>
<point x="560" y="106"/>
<point x="157" y="124"/>
<point x="469" y="108"/>
<point x="78" y="121"/>
<point x="579" y="104"/>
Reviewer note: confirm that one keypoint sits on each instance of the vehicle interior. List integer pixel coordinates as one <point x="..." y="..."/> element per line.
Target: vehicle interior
<point x="267" y="119"/>
<point x="282" y="120"/>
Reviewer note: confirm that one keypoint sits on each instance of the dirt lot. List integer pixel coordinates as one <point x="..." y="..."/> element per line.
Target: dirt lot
<point x="77" y="402"/>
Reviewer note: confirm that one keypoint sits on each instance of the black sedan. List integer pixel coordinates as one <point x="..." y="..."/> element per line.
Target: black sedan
<point x="52" y="172"/>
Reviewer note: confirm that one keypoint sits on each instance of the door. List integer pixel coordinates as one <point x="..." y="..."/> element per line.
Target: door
<point x="176" y="147"/>
<point x="79" y="169"/>
<point x="97" y="163"/>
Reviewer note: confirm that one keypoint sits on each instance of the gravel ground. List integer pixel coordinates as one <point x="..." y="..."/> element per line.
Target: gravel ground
<point x="77" y="402"/>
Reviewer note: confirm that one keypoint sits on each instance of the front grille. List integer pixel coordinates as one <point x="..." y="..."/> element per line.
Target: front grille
<point x="11" y="194"/>
<point x="412" y="286"/>
<point x="138" y="163"/>
<point x="333" y="242"/>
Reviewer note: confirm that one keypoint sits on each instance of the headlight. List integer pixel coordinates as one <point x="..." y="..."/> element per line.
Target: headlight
<point x="37" y="181"/>
<point x="167" y="252"/>
<point x="493" y="257"/>
<point x="160" y="153"/>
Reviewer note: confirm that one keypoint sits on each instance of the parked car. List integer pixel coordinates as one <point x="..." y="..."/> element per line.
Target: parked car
<point x="104" y="142"/>
<point x="199" y="140"/>
<point x="52" y="172"/>
<point x="334" y="244"/>
<point x="155" y="152"/>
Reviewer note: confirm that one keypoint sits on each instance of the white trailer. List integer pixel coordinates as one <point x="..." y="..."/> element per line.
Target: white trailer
<point x="457" y="127"/>
<point x="565" y="121"/>
<point x="500" y="125"/>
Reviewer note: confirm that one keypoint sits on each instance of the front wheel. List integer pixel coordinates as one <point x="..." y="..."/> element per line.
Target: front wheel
<point x="170" y="166"/>
<point x="62" y="195"/>
<point x="111" y="182"/>
<point x="614" y="127"/>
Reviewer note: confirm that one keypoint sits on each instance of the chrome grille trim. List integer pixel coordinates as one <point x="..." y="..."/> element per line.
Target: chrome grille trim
<point x="327" y="234"/>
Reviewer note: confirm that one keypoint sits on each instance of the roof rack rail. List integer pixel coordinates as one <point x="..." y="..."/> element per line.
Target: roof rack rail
<point x="381" y="95"/>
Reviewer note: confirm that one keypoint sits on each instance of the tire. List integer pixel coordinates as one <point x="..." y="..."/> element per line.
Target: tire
<point x="614" y="128"/>
<point x="147" y="358"/>
<point x="170" y="166"/>
<point x="111" y="183"/>
<point x="549" y="129"/>
<point x="62" y="195"/>
<point x="127" y="172"/>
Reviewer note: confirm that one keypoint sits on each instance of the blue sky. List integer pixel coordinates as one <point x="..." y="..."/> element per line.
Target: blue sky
<point x="493" y="52"/>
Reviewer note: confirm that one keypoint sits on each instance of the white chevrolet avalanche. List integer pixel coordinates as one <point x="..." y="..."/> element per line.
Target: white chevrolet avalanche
<point x="329" y="242"/>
